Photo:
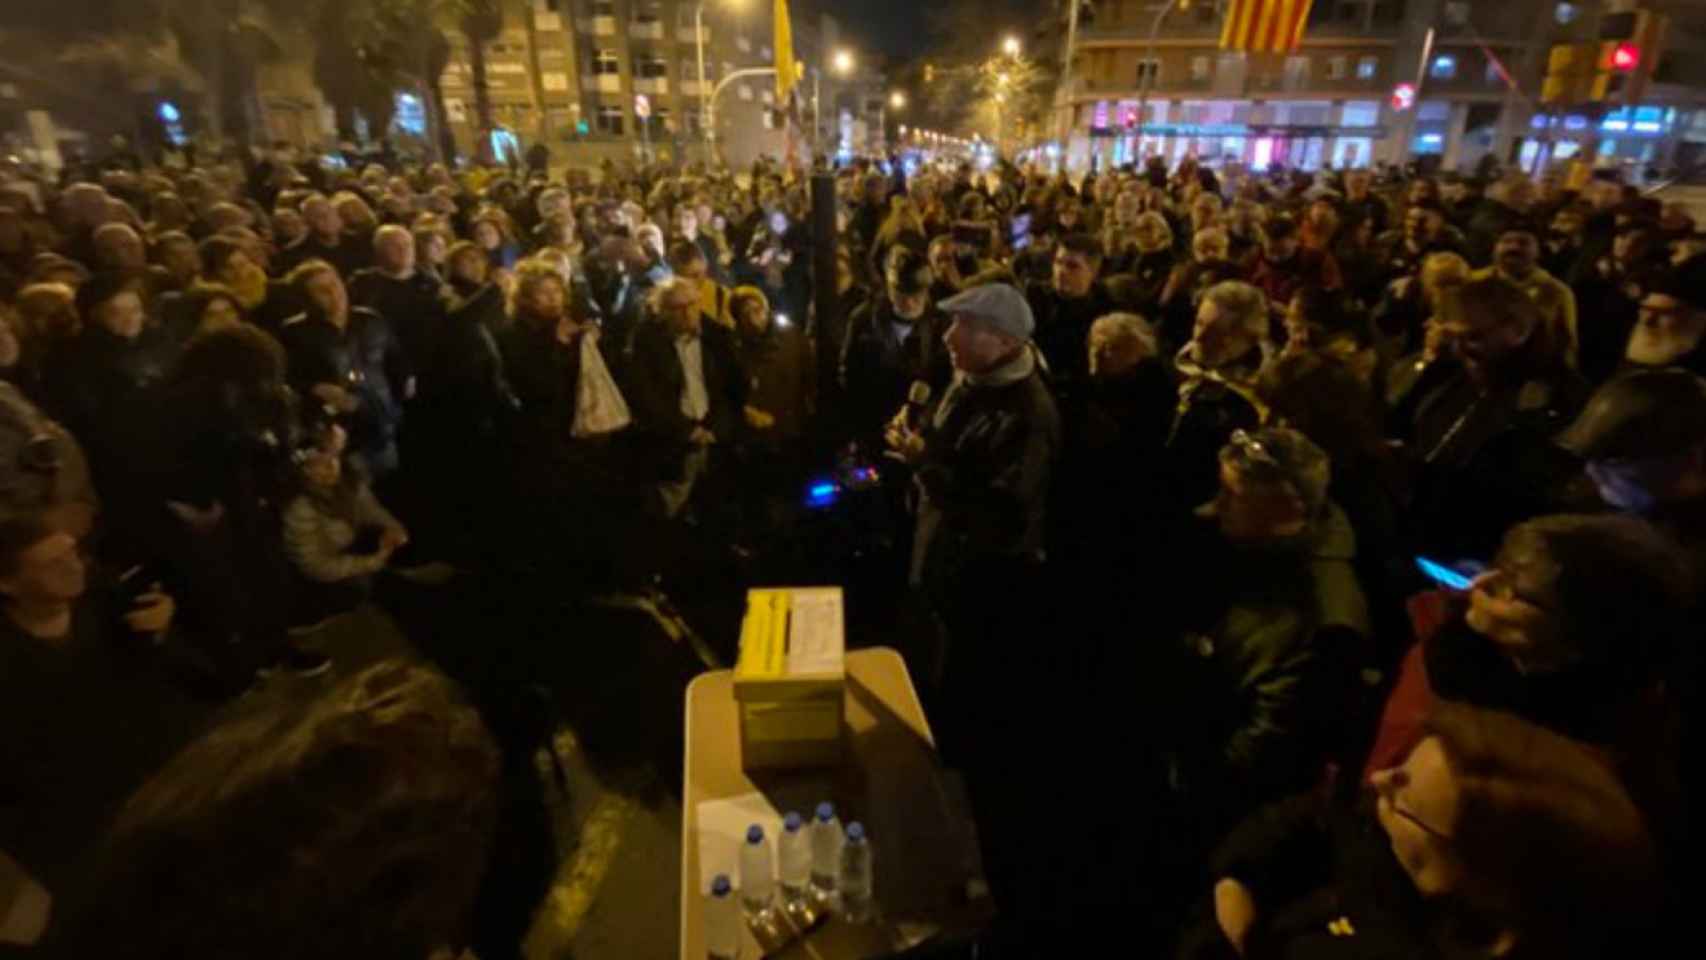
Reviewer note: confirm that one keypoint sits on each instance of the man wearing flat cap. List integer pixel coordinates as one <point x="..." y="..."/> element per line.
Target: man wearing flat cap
<point x="982" y="460"/>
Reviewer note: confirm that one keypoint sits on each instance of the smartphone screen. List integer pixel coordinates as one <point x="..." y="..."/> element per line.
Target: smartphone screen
<point x="1443" y="575"/>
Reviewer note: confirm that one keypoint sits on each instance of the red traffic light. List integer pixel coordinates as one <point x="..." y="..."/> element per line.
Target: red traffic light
<point x="1625" y="57"/>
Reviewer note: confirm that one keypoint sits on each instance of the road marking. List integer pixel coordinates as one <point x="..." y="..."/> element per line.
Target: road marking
<point x="579" y="878"/>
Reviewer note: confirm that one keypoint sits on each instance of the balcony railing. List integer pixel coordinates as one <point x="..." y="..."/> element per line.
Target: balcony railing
<point x="658" y="85"/>
<point x="646" y="30"/>
<point x="1234" y="86"/>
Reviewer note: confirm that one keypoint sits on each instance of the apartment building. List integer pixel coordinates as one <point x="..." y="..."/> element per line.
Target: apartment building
<point x="1148" y="83"/>
<point x="596" y="58"/>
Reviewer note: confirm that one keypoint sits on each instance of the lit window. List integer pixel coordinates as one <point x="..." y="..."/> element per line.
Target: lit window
<point x="1296" y="72"/>
<point x="606" y="62"/>
<point x="604" y="8"/>
<point x="1199" y="68"/>
<point x="1444" y="67"/>
<point x="1337" y="67"/>
<point x="1366" y="67"/>
<point x="743" y="44"/>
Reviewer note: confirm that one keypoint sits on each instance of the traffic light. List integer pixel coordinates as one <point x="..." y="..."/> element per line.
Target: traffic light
<point x="1629" y="44"/>
<point x="1625" y="57"/>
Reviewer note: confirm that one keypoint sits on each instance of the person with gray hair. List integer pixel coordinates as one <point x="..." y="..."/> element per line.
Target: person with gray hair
<point x="409" y="299"/>
<point x="1217" y="378"/>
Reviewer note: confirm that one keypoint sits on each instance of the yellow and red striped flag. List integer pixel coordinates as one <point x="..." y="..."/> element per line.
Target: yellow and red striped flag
<point x="1264" y="25"/>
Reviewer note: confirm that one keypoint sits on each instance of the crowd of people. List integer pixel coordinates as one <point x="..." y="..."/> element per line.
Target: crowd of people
<point x="1338" y="537"/>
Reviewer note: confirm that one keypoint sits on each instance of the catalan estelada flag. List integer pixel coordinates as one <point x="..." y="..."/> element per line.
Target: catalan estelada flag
<point x="1260" y="26"/>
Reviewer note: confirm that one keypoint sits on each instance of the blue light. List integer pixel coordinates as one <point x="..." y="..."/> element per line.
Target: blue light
<point x="169" y="112"/>
<point x="822" y="494"/>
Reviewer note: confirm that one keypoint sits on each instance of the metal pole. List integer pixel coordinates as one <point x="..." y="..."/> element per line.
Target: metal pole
<point x="817" y="116"/>
<point x="1411" y="121"/>
<point x="1064" y="118"/>
<point x="1151" y="67"/>
<point x="711" y="105"/>
<point x="709" y="129"/>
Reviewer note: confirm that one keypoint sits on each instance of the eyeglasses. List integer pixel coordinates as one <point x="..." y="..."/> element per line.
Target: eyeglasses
<point x="1398" y="781"/>
<point x="1245" y="451"/>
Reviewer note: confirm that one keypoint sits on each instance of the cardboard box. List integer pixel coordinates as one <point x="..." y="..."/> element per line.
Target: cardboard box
<point x="790" y="677"/>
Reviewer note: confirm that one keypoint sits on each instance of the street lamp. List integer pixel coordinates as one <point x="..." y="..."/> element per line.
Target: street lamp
<point x="1010" y="46"/>
<point x="842" y="63"/>
<point x="897" y="100"/>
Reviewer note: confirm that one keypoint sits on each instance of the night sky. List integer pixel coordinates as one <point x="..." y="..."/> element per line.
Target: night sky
<point x="896" y="28"/>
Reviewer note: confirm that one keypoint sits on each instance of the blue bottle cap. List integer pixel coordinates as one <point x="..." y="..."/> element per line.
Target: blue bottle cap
<point x="720" y="885"/>
<point x="825" y="812"/>
<point x="755" y="834"/>
<point x="855" y="832"/>
<point x="791" y="822"/>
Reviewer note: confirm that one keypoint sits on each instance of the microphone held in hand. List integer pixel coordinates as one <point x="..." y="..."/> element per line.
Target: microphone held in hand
<point x="917" y="405"/>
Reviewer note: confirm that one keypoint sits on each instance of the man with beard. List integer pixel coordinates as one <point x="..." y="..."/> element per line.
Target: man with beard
<point x="1516" y="260"/>
<point x="1671" y="322"/>
<point x="1064" y="310"/>
<point x="407" y="298"/>
<point x="1482" y="438"/>
<point x="893" y="341"/>
<point x="1562" y="248"/>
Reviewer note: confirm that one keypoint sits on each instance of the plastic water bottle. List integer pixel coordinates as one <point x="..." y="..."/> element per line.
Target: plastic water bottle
<point x="856" y="875"/>
<point x="757" y="875"/>
<point x="826" y="849"/>
<point x="796" y="857"/>
<point x="722" y="921"/>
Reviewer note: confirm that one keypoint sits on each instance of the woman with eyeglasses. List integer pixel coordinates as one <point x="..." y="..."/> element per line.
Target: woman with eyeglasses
<point x="1576" y="627"/>
<point x="1492" y="837"/>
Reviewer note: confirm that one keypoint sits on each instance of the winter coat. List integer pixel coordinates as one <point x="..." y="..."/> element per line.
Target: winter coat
<point x="363" y="358"/>
<point x="991" y="443"/>
<point x="1265" y="678"/>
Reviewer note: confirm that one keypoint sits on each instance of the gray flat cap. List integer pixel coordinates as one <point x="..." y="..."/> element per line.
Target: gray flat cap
<point x="997" y="304"/>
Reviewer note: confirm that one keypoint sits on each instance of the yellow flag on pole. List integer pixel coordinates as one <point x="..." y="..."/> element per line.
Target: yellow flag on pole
<point x="787" y="71"/>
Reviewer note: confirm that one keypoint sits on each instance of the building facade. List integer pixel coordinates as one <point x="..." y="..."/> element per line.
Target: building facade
<point x="1149" y="78"/>
<point x="596" y="59"/>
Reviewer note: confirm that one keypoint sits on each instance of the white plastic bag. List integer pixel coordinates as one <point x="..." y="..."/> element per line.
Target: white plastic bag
<point x="599" y="407"/>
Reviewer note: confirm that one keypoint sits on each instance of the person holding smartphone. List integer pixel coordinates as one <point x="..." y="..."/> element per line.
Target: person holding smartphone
<point x="94" y="703"/>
